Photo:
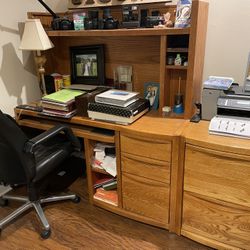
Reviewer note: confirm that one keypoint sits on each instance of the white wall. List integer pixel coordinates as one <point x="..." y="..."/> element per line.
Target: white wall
<point x="18" y="79"/>
<point x="228" y="39"/>
<point x="227" y="47"/>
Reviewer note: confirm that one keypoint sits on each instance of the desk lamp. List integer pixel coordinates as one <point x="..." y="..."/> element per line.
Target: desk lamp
<point x="35" y="38"/>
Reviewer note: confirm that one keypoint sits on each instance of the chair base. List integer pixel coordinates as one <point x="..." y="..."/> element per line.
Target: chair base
<point x="37" y="206"/>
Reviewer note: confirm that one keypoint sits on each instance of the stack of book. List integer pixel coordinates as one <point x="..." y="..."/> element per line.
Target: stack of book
<point x="60" y="103"/>
<point x="123" y="107"/>
<point x="106" y="182"/>
<point x="109" y="197"/>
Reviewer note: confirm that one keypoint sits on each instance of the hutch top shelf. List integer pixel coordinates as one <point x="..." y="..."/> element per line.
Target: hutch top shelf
<point x="121" y="32"/>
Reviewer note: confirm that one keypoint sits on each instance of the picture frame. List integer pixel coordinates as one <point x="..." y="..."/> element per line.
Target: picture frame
<point x="183" y="14"/>
<point x="151" y="93"/>
<point x="87" y="64"/>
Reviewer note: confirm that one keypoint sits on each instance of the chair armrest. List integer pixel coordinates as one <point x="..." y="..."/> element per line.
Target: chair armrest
<point x="49" y="134"/>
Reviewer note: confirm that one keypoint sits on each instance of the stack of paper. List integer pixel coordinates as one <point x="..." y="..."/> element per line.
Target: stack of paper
<point x="218" y="82"/>
<point x="60" y="103"/>
<point x="103" y="160"/>
<point x="117" y="97"/>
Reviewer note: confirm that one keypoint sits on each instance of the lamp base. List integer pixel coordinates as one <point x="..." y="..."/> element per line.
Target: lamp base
<point x="40" y="61"/>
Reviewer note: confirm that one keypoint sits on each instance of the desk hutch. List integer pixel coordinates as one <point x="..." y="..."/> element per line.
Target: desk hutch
<point x="146" y="49"/>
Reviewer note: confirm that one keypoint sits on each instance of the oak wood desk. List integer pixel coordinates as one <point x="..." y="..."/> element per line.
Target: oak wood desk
<point x="216" y="188"/>
<point x="146" y="158"/>
<point x="171" y="174"/>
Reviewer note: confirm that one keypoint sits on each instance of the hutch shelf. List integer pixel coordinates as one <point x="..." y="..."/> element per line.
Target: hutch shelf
<point x="147" y="50"/>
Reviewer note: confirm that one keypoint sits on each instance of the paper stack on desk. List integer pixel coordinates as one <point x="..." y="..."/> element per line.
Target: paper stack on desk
<point x="60" y="103"/>
<point x="218" y="82"/>
<point x="117" y="97"/>
<point x="104" y="160"/>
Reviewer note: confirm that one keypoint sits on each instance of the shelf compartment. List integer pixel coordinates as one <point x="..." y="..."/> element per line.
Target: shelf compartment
<point x="176" y="41"/>
<point x="176" y="67"/>
<point x="177" y="50"/>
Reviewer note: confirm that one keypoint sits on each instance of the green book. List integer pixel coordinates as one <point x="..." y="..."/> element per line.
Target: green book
<point x="63" y="96"/>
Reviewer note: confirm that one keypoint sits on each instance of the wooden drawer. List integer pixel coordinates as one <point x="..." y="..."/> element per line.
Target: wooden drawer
<point x="219" y="175"/>
<point x="217" y="224"/>
<point x="153" y="149"/>
<point x="146" y="197"/>
<point x="145" y="167"/>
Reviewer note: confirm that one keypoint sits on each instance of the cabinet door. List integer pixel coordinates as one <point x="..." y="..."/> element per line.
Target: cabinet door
<point x="216" y="204"/>
<point x="220" y="175"/>
<point x="215" y="223"/>
<point x="146" y="197"/>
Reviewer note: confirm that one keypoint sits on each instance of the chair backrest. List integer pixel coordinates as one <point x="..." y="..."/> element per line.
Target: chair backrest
<point x="16" y="166"/>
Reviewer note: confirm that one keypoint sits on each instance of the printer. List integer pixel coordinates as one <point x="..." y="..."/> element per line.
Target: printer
<point x="234" y="105"/>
<point x="232" y="102"/>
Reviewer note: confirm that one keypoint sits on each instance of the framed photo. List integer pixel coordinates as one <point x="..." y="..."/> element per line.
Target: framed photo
<point x="87" y="64"/>
<point x="151" y="92"/>
<point x="183" y="13"/>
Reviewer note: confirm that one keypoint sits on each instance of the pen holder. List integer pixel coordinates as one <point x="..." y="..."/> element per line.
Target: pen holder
<point x="178" y="106"/>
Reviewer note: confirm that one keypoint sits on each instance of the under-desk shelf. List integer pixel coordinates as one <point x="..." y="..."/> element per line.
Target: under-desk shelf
<point x="82" y="127"/>
<point x="121" y="32"/>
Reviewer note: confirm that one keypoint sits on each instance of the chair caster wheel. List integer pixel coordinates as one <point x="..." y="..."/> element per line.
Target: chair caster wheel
<point x="45" y="234"/>
<point x="77" y="199"/>
<point x="3" y="202"/>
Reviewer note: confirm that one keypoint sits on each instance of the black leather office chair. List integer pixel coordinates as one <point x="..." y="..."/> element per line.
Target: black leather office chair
<point x="28" y="162"/>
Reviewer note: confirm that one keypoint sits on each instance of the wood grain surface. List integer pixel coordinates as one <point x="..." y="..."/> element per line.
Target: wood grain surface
<point x="146" y="197"/>
<point x="83" y="226"/>
<point x="146" y="167"/>
<point x="216" y="205"/>
<point x="217" y="175"/>
<point x="158" y="150"/>
<point x="145" y="49"/>
<point x="223" y="226"/>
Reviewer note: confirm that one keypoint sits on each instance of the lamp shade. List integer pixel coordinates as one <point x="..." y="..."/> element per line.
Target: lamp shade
<point x="34" y="36"/>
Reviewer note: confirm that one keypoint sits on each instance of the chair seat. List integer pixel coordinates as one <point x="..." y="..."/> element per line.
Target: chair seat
<point x="48" y="157"/>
